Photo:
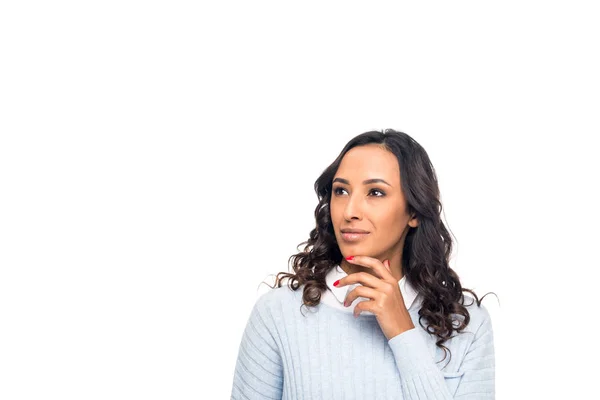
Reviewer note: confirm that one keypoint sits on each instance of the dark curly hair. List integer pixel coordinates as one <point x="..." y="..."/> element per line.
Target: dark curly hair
<point x="427" y="247"/>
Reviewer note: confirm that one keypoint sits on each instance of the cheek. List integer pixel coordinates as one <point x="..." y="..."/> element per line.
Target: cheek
<point x="390" y="227"/>
<point x="333" y="214"/>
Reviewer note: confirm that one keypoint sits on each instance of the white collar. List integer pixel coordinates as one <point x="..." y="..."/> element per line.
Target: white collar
<point x="409" y="294"/>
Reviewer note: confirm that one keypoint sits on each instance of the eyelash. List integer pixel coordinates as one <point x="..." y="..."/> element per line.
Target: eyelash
<point x="335" y="191"/>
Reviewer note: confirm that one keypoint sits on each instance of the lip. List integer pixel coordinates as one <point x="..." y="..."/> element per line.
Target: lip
<point x="354" y="236"/>
<point x="353" y="230"/>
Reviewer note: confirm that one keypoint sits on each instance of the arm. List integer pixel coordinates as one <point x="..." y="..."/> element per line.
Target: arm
<point x="422" y="379"/>
<point x="259" y="369"/>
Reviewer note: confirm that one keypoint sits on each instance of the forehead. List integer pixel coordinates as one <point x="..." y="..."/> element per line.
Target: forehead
<point x="369" y="161"/>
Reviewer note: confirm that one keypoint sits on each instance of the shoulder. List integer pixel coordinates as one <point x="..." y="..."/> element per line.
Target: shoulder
<point x="278" y="299"/>
<point x="479" y="316"/>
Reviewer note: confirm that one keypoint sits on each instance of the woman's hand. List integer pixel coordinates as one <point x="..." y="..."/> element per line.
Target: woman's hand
<point x="386" y="302"/>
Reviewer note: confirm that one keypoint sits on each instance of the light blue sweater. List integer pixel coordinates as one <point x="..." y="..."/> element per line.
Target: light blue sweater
<point x="325" y="353"/>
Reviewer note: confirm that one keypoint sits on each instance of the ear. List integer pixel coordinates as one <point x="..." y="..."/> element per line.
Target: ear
<point x="414" y="222"/>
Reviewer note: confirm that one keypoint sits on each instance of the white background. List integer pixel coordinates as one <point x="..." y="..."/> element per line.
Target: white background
<point x="157" y="162"/>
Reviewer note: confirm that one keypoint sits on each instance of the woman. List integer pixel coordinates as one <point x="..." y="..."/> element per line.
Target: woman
<point x="385" y="307"/>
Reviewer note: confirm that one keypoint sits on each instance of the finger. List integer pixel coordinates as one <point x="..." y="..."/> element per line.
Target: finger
<point x="360" y="277"/>
<point x="374" y="264"/>
<point x="387" y="265"/>
<point x="364" y="306"/>
<point x="361" y="291"/>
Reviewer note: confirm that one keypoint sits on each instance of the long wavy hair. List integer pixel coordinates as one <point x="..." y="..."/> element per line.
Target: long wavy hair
<point x="427" y="247"/>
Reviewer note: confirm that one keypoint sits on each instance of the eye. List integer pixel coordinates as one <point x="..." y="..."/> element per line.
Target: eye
<point x="337" y="190"/>
<point x="377" y="190"/>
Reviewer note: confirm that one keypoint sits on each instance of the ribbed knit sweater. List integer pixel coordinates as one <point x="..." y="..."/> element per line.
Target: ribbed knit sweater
<point x="293" y="352"/>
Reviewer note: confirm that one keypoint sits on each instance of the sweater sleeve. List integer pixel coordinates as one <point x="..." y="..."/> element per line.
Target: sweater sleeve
<point x="422" y="379"/>
<point x="259" y="370"/>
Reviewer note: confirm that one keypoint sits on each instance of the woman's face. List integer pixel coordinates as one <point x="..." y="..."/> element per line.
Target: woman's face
<point x="376" y="207"/>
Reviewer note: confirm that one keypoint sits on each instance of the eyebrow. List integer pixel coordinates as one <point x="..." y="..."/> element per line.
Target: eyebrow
<point x="366" y="182"/>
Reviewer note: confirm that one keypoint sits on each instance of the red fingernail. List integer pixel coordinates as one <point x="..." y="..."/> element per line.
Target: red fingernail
<point x="336" y="282"/>
<point x="350" y="258"/>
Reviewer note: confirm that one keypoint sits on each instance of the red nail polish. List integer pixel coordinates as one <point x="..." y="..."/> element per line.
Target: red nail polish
<point x="336" y="282"/>
<point x="350" y="258"/>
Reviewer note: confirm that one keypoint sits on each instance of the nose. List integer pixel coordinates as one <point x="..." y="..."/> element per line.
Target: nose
<point x="353" y="208"/>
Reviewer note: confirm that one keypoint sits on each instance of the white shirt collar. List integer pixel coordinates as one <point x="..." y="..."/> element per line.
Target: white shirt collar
<point x="409" y="294"/>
